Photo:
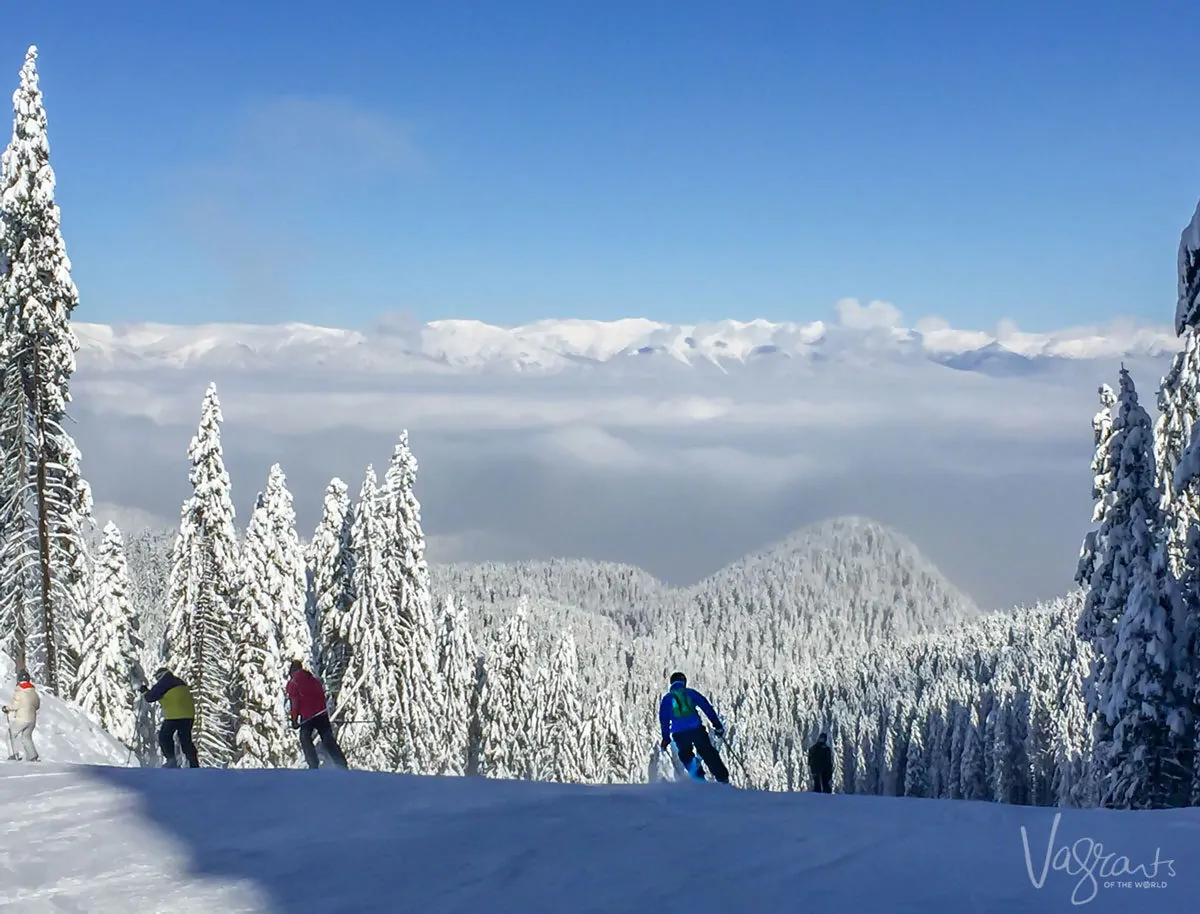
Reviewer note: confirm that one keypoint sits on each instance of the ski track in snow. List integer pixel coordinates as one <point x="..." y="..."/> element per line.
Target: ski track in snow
<point x="126" y="841"/>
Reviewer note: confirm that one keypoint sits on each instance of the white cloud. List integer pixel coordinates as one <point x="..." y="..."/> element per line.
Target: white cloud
<point x="399" y="346"/>
<point x="592" y="446"/>
<point x="875" y="314"/>
<point x="677" y="460"/>
<point x="129" y="520"/>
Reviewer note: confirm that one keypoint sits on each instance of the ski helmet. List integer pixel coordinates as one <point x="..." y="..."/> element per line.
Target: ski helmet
<point x="678" y="677"/>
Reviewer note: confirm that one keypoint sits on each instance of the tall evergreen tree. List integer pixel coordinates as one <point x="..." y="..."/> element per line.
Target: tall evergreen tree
<point x="366" y="706"/>
<point x="1130" y="478"/>
<point x="506" y="702"/>
<point x="1142" y="706"/>
<point x="110" y="671"/>
<point x="458" y="668"/>
<point x="424" y="718"/>
<point x="916" y="772"/>
<point x="602" y="753"/>
<point x="202" y="590"/>
<point x="998" y="753"/>
<point x="561" y="753"/>
<point x="289" y="582"/>
<point x="1128" y="615"/>
<point x="400" y="514"/>
<point x="973" y="775"/>
<point x="1101" y="481"/>
<point x="1185" y="478"/>
<point x="45" y="504"/>
<point x="1178" y="404"/>
<point x="1187" y="306"/>
<point x="420" y="691"/>
<point x="260" y="676"/>
<point x="1072" y="747"/>
<point x="330" y="562"/>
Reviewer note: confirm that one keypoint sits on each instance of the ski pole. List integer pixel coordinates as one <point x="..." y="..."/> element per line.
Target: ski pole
<point x="12" y="752"/>
<point x="737" y="758"/>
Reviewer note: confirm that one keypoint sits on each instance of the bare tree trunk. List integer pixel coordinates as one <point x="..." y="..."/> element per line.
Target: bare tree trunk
<point x="19" y="638"/>
<point x="44" y="527"/>
<point x="199" y="633"/>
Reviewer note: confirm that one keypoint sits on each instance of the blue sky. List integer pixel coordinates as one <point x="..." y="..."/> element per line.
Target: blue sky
<point x="682" y="161"/>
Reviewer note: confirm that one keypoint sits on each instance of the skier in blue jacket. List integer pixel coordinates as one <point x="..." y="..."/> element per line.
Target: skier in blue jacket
<point x="679" y="715"/>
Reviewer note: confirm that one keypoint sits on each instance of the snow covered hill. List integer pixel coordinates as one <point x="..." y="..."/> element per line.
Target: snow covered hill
<point x="64" y="732"/>
<point x="871" y="333"/>
<point x="841" y="583"/>
<point x="870" y="577"/>
<point x="101" y="840"/>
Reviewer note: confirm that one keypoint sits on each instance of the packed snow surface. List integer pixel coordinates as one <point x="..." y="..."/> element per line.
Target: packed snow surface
<point x="64" y="732"/>
<point x="153" y="840"/>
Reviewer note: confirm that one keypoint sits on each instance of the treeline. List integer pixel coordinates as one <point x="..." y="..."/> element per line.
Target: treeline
<point x="1140" y="565"/>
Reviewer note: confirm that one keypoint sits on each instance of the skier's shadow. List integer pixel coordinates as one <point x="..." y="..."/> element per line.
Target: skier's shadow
<point x="300" y="844"/>
<point x="366" y="842"/>
<point x="354" y="841"/>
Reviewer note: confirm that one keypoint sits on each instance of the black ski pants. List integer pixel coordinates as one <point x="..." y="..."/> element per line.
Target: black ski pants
<point x="321" y="726"/>
<point x="166" y="742"/>
<point x="822" y="781"/>
<point x="691" y="743"/>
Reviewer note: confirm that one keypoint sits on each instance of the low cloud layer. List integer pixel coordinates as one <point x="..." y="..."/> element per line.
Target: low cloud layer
<point x="678" y="471"/>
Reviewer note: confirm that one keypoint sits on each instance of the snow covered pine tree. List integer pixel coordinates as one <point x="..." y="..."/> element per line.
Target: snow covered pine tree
<point x="109" y="670"/>
<point x="1128" y="617"/>
<point x="330" y="577"/>
<point x="1185" y="478"/>
<point x="260" y="673"/>
<point x="420" y="691"/>
<point x="202" y="591"/>
<point x="366" y="703"/>
<point x="44" y="501"/>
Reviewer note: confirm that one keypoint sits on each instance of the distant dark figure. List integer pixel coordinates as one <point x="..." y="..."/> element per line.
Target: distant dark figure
<point x="179" y="717"/>
<point x="678" y="713"/>
<point x="820" y="763"/>
<point x="309" y="711"/>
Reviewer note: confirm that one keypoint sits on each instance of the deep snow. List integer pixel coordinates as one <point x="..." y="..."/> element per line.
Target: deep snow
<point x="124" y="840"/>
<point x="64" y="732"/>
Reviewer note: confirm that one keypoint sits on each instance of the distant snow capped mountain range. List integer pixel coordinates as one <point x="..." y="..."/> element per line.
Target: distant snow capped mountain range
<point x="866" y="334"/>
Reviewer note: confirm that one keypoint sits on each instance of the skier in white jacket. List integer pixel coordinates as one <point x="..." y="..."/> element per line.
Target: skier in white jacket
<point x="23" y="716"/>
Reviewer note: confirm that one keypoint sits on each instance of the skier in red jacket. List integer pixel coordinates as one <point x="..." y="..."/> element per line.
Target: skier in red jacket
<point x="309" y="711"/>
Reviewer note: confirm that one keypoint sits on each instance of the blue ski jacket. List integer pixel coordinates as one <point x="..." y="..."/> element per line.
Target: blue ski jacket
<point x="668" y="709"/>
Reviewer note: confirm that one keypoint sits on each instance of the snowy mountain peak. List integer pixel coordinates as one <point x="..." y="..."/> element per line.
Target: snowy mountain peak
<point x="870" y="332"/>
<point x="896" y="589"/>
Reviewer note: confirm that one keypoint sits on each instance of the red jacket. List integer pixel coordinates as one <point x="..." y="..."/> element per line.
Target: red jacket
<point x="305" y="696"/>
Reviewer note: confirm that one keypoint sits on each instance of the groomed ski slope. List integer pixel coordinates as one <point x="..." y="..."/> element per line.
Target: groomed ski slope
<point x="98" y="839"/>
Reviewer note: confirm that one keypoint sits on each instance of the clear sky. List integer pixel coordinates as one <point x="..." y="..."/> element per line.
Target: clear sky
<point x="323" y="162"/>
